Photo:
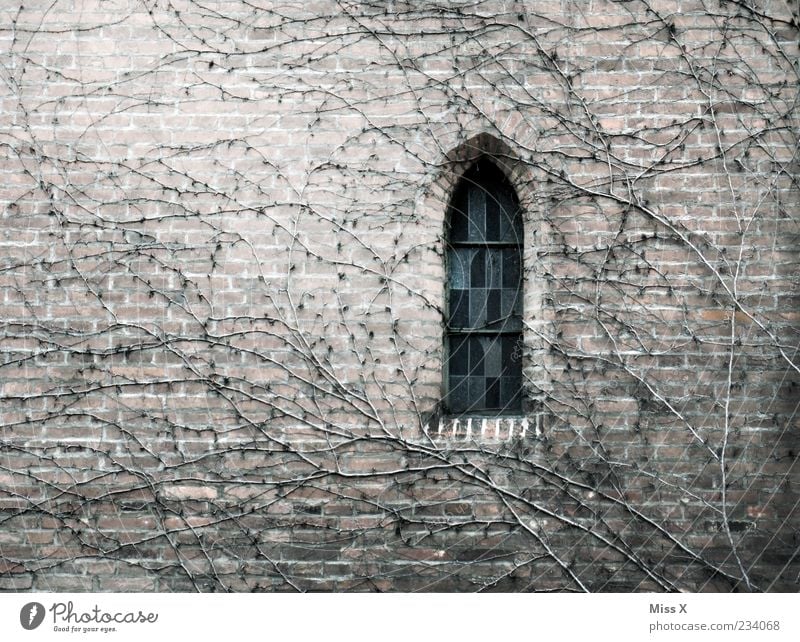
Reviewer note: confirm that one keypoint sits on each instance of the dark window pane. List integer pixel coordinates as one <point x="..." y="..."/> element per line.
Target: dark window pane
<point x="510" y="393"/>
<point x="517" y="229"/>
<point x="459" y="225"/>
<point x="458" y="394"/>
<point x="509" y="302"/>
<point x="510" y="220"/>
<point x="492" y="356"/>
<point x="494" y="258"/>
<point x="493" y="216"/>
<point x="459" y="308"/>
<point x="493" y="306"/>
<point x="512" y="350"/>
<point x="511" y="271"/>
<point x="477" y="274"/>
<point x="513" y="370"/>
<point x="458" y="363"/>
<point x="475" y="357"/>
<point x="493" y="393"/>
<point x="477" y="214"/>
<point x="477" y="387"/>
<point x="458" y="263"/>
<point x="477" y="309"/>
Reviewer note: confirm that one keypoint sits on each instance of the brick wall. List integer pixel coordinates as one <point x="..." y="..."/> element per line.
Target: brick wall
<point x="222" y="294"/>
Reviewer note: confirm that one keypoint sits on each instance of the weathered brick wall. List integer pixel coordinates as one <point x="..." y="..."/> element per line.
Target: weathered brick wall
<point x="222" y="289"/>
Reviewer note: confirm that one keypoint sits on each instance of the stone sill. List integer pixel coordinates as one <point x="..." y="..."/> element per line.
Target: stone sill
<point x="486" y="428"/>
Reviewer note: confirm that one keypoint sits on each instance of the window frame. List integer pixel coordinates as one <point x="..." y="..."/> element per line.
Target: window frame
<point x="496" y="183"/>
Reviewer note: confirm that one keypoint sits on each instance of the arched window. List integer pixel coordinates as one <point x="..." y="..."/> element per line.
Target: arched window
<point x="484" y="295"/>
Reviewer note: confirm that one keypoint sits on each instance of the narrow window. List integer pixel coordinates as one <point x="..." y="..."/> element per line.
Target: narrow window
<point x="484" y="295"/>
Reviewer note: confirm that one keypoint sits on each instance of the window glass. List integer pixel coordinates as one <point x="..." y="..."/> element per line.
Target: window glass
<point x="484" y="287"/>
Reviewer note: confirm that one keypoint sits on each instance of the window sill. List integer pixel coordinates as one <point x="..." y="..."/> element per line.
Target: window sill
<point x="486" y="428"/>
